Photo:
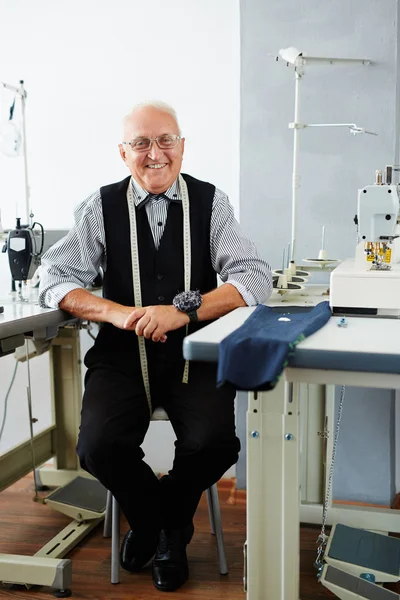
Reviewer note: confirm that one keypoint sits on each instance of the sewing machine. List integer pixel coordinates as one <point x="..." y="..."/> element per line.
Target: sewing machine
<point x="25" y="246"/>
<point x="369" y="284"/>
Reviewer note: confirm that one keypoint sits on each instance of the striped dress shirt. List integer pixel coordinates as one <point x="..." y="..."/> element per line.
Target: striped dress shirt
<point x="75" y="261"/>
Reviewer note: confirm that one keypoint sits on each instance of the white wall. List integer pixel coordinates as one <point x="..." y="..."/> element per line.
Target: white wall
<point x="85" y="63"/>
<point x="16" y="427"/>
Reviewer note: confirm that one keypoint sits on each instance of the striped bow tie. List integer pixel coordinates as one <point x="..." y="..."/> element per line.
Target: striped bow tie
<point x="156" y="197"/>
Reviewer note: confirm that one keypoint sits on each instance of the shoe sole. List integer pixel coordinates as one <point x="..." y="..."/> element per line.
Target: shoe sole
<point x="137" y="569"/>
<point x="163" y="588"/>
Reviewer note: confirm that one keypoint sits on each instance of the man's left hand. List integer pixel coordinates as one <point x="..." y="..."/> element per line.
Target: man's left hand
<point x="153" y="322"/>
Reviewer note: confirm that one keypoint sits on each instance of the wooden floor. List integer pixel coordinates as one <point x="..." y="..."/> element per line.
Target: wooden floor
<point x="25" y="526"/>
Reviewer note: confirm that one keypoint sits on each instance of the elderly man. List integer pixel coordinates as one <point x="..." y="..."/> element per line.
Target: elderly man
<point x="160" y="238"/>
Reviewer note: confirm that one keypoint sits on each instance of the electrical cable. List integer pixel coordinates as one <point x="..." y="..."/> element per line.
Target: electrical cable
<point x="42" y="240"/>
<point x="12" y="109"/>
<point x="6" y="399"/>
<point x="90" y="334"/>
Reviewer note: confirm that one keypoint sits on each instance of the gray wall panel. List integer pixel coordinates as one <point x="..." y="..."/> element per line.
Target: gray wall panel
<point x="333" y="165"/>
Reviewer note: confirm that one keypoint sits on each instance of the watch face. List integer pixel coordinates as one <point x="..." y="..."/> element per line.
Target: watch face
<point x="187" y="301"/>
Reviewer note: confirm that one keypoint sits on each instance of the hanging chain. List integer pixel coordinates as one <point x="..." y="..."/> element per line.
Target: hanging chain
<point x="323" y="538"/>
<point x="31" y="422"/>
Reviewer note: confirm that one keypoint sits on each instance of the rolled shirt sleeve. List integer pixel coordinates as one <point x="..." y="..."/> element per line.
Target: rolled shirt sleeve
<point x="235" y="257"/>
<point x="75" y="260"/>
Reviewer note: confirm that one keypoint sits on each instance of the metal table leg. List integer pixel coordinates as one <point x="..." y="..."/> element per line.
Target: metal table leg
<point x="48" y="567"/>
<point x="273" y="496"/>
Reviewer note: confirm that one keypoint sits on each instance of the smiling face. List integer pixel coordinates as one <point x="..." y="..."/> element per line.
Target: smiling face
<point x="155" y="169"/>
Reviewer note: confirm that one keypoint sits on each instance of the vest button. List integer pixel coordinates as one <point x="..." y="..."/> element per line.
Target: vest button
<point x="159" y="276"/>
<point x="160" y="298"/>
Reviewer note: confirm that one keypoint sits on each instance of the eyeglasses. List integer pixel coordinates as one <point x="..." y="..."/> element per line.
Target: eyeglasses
<point x="165" y="142"/>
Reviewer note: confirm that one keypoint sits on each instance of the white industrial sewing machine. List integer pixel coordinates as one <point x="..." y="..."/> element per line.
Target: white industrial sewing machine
<point x="369" y="284"/>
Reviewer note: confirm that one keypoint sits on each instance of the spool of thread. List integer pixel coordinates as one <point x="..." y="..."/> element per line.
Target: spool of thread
<point x="282" y="282"/>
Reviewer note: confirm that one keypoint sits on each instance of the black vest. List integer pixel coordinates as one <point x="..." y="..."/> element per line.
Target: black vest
<point x="162" y="270"/>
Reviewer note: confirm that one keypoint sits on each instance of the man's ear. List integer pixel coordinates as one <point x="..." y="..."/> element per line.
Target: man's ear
<point x="122" y="152"/>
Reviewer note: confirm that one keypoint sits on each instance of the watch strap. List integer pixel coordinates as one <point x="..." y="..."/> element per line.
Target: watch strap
<point x="192" y="314"/>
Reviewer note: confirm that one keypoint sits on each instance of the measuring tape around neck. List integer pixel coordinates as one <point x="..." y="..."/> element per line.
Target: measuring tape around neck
<point x="137" y="290"/>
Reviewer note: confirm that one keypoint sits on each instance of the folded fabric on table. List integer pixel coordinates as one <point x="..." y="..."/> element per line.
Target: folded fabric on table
<point x="253" y="356"/>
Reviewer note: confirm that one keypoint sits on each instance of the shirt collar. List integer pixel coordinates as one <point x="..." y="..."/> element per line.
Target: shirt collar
<point x="139" y="194"/>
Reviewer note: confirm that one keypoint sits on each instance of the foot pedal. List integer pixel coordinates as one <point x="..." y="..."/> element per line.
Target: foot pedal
<point x="359" y="552"/>
<point x="349" y="587"/>
<point x="82" y="499"/>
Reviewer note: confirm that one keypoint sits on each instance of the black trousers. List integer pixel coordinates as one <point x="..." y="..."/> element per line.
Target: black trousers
<point x="115" y="418"/>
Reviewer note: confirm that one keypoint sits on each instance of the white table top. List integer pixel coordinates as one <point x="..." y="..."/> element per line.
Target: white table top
<point x="366" y="344"/>
<point x="22" y="317"/>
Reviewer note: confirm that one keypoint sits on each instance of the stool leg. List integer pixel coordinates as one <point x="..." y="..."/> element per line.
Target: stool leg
<point x="108" y="516"/>
<point x="223" y="567"/>
<point x="115" y="542"/>
<point x="211" y="515"/>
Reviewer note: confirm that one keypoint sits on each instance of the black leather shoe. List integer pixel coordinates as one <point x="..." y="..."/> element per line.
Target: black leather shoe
<point x="170" y="566"/>
<point x="137" y="549"/>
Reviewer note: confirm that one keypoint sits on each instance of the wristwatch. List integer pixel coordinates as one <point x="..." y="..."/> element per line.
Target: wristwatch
<point x="188" y="302"/>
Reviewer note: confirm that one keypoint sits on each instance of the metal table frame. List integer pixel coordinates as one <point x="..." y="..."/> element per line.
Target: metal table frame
<point x="18" y="322"/>
<point x="273" y="440"/>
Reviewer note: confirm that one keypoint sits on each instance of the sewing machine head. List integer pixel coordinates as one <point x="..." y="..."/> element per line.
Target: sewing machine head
<point x="369" y="284"/>
<point x="377" y="217"/>
<point x="24" y="246"/>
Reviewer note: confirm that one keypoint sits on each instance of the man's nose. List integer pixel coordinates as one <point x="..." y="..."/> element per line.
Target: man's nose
<point x="154" y="151"/>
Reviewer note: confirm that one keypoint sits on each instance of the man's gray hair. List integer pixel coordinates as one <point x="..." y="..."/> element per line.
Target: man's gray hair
<point x="163" y="106"/>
